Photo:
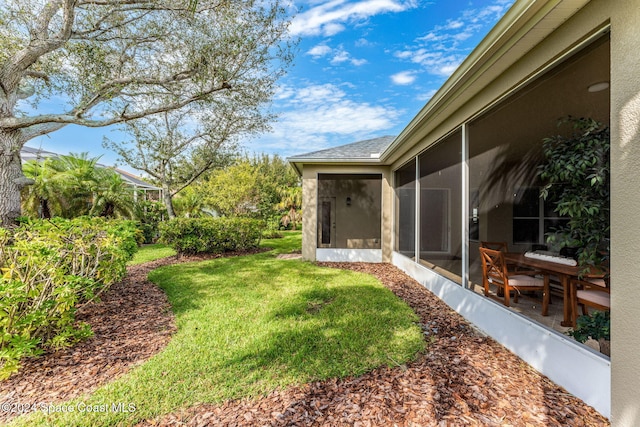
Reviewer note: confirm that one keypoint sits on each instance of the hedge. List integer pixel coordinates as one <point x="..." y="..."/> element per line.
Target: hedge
<point x="48" y="269"/>
<point x="211" y="235"/>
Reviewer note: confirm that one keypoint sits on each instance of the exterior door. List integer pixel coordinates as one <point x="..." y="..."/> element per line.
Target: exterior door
<point x="327" y="222"/>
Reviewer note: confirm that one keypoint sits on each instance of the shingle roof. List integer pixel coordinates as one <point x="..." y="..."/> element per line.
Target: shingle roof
<point x="368" y="149"/>
<point x="30" y="153"/>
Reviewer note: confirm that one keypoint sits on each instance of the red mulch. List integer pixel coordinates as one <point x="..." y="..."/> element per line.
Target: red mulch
<point x="463" y="379"/>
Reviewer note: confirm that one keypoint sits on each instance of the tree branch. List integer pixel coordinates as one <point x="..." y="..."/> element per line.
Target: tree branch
<point x="115" y="87"/>
<point x="38" y="75"/>
<point x="12" y="123"/>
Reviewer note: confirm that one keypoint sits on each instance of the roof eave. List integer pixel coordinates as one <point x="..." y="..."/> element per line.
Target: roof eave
<point x="518" y="20"/>
<point x="297" y="162"/>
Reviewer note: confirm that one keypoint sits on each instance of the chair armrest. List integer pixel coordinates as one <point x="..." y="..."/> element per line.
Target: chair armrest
<point x="524" y="273"/>
<point x="586" y="285"/>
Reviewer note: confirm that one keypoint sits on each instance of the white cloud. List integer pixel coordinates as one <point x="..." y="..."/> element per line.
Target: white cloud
<point x="320" y="116"/>
<point x="426" y="96"/>
<point x="362" y="42"/>
<point x="340" y="56"/>
<point x="330" y="18"/>
<point x="438" y="52"/>
<point x="455" y="24"/>
<point x="319" y="50"/>
<point x="438" y="62"/>
<point x="403" y="78"/>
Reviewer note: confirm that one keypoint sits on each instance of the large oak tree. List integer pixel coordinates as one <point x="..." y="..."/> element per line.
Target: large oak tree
<point x="113" y="61"/>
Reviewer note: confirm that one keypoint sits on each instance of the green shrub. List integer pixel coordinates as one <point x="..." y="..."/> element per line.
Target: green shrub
<point x="596" y="326"/>
<point x="211" y="235"/>
<point x="149" y="214"/>
<point x="48" y="269"/>
<point x="272" y="228"/>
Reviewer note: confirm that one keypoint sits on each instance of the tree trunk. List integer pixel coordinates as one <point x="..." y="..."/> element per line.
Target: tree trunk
<point x="11" y="177"/>
<point x="45" y="212"/>
<point x="168" y="203"/>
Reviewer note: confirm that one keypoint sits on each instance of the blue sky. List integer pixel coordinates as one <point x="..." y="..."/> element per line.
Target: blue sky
<point x="363" y="69"/>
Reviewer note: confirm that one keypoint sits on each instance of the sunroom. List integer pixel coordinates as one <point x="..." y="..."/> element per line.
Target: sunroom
<point x="464" y="170"/>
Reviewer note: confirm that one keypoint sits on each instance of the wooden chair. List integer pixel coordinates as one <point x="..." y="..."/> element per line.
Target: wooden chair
<point x="501" y="246"/>
<point x="590" y="292"/>
<point x="494" y="271"/>
<point x="496" y="246"/>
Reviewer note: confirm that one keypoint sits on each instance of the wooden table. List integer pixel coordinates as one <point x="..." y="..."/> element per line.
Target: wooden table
<point x="562" y="271"/>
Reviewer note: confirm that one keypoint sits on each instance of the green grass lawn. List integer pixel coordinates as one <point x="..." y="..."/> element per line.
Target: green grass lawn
<point x="248" y="325"/>
<point x="153" y="252"/>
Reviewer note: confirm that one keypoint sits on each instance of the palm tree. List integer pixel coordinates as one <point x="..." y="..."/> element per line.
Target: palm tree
<point x="112" y="198"/>
<point x="73" y="185"/>
<point x="80" y="176"/>
<point x="291" y="203"/>
<point x="42" y="198"/>
<point x="189" y="203"/>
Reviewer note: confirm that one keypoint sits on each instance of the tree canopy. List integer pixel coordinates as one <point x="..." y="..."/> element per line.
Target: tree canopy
<point x="115" y="61"/>
<point x="177" y="147"/>
<point x="251" y="187"/>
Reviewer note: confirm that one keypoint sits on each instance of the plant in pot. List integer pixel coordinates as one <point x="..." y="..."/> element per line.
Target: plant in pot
<point x="575" y="174"/>
<point x="596" y="327"/>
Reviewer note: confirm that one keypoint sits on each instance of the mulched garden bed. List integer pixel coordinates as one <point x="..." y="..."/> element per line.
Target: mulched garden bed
<point x="463" y="378"/>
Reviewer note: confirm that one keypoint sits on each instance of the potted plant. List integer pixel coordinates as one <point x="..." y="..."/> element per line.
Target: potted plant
<point x="596" y="327"/>
<point x="575" y="174"/>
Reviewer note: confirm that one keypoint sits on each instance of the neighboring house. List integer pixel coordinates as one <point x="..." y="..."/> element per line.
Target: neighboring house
<point x="463" y="171"/>
<point x="138" y="184"/>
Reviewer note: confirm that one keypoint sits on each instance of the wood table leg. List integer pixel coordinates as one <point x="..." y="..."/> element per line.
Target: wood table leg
<point x="566" y="295"/>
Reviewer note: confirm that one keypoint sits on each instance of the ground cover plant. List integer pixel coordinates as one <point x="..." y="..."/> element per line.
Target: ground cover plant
<point x="251" y="324"/>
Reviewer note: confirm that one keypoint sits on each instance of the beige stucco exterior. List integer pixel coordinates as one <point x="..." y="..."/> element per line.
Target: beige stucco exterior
<point x="533" y="37"/>
<point x="625" y="203"/>
<point x="310" y="198"/>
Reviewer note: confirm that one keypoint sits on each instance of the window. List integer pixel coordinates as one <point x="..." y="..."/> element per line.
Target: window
<point x="533" y="217"/>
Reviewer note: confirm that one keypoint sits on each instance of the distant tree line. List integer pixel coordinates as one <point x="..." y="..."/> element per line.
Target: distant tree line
<point x="262" y="187"/>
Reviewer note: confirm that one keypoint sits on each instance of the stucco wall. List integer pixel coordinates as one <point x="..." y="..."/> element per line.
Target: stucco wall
<point x="625" y="203"/>
<point x="309" y="200"/>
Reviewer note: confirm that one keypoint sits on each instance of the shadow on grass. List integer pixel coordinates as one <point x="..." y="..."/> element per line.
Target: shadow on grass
<point x="335" y="332"/>
<point x="189" y="285"/>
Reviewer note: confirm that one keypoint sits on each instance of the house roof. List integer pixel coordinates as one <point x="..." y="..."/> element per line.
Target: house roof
<point x="356" y="152"/>
<point x="30" y="153"/>
<point x="135" y="180"/>
<point x="367" y="149"/>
